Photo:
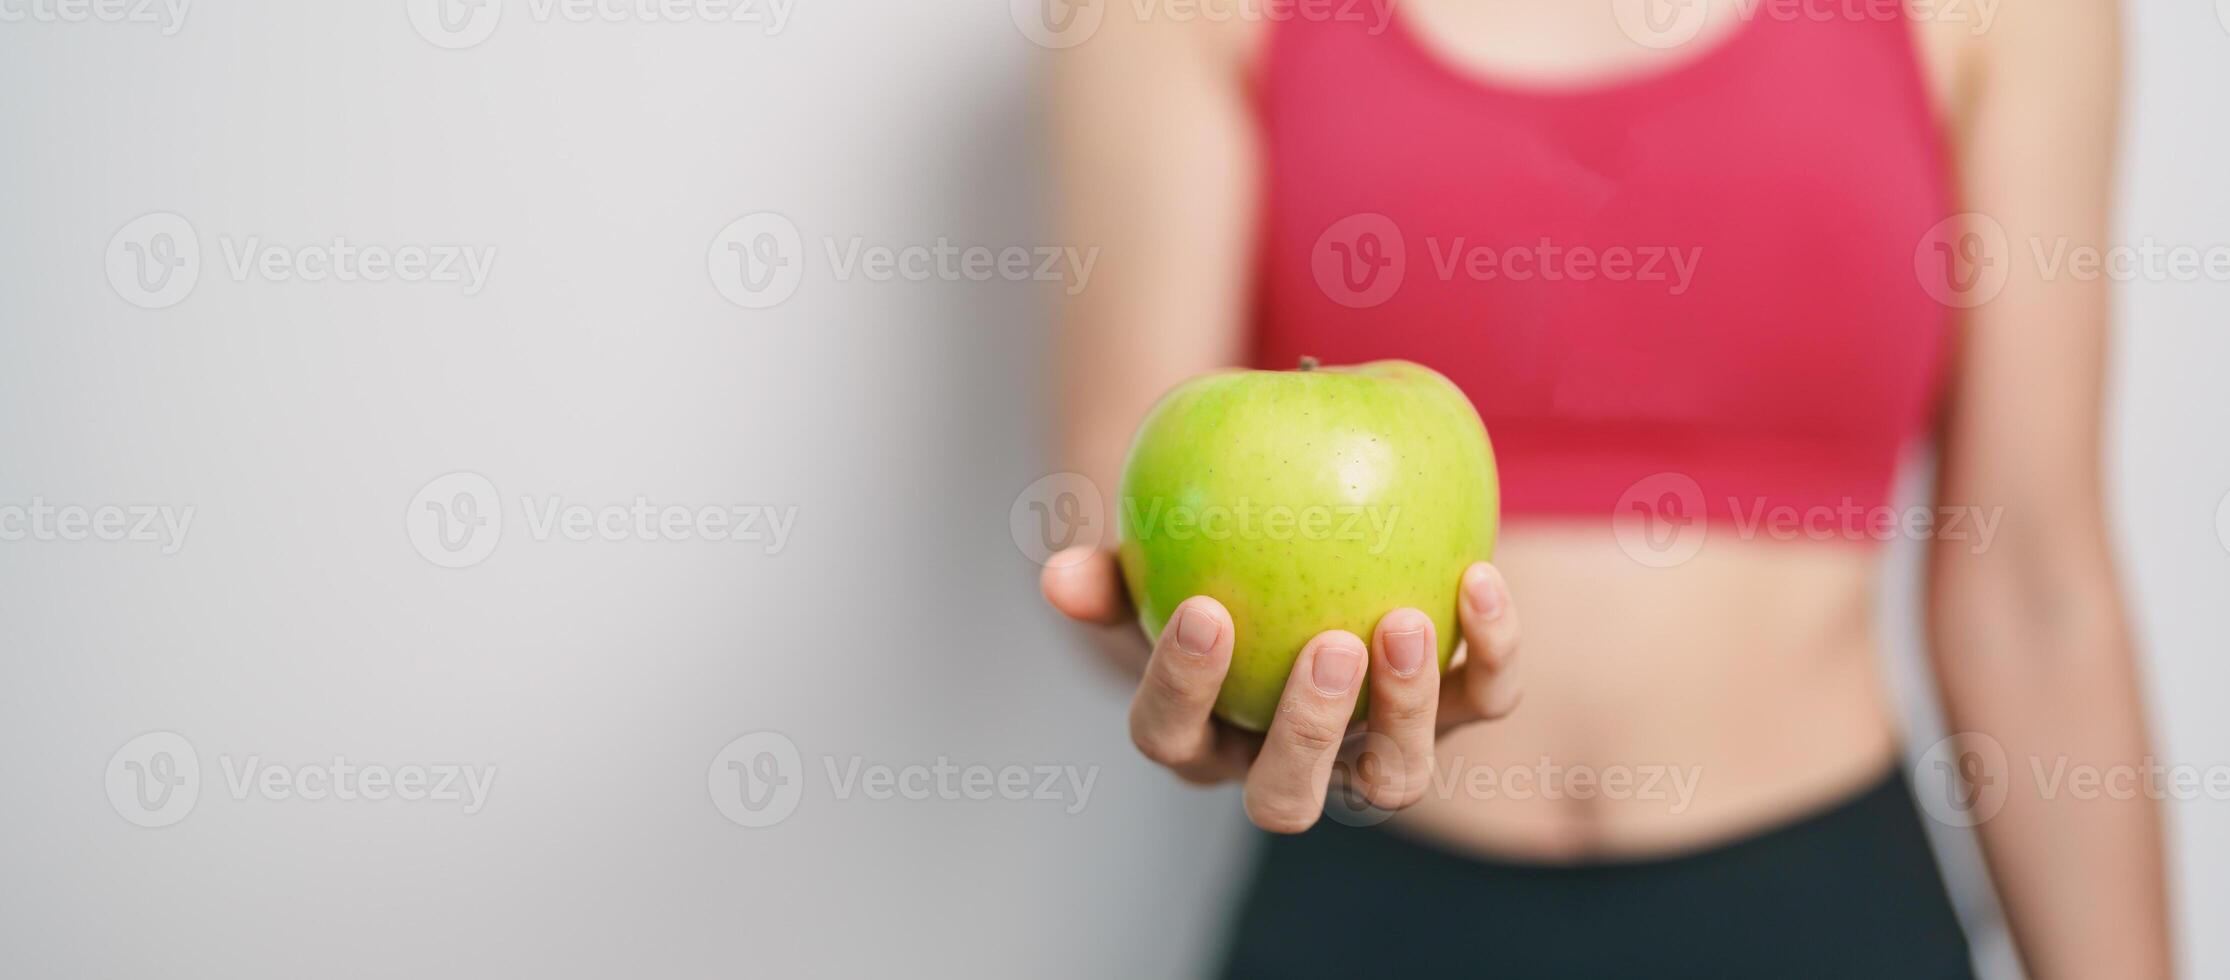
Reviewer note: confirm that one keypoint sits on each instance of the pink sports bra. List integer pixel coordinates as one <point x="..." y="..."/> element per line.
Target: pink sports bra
<point x="1718" y="273"/>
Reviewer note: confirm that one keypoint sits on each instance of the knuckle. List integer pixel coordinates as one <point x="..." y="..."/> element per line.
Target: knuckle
<point x="1280" y="814"/>
<point x="1160" y="751"/>
<point x="1392" y="796"/>
<point x="1307" y="729"/>
<point x="1203" y="776"/>
<point x="1406" y="710"/>
<point x="1166" y="684"/>
<point x="1161" y="747"/>
<point x="1390" y="780"/>
<point x="1405" y="788"/>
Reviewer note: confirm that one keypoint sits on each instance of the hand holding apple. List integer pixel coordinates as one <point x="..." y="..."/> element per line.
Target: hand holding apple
<point x="1287" y="770"/>
<point x="1268" y="521"/>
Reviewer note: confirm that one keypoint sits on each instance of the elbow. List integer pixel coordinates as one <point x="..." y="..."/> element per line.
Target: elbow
<point x="2024" y="607"/>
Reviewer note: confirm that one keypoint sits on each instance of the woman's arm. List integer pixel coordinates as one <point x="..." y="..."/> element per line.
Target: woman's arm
<point x="1154" y="154"/>
<point x="2028" y="637"/>
<point x="1155" y="151"/>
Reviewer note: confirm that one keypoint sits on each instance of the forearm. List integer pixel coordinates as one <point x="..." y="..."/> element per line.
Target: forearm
<point x="2044" y="668"/>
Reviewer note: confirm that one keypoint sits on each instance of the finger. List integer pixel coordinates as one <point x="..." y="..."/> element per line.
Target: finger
<point x="1169" y="716"/>
<point x="1489" y="686"/>
<point x="1086" y="585"/>
<point x="1285" y="788"/>
<point x="1404" y="701"/>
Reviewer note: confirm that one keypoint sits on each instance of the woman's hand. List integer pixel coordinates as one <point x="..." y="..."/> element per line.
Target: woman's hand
<point x="1287" y="770"/>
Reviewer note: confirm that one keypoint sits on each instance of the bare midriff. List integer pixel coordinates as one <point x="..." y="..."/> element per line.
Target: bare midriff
<point x="1668" y="709"/>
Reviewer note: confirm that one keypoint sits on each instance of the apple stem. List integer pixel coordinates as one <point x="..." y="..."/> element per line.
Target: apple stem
<point x="1308" y="363"/>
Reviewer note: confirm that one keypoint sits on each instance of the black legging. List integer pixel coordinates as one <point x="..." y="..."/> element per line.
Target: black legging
<point x="1851" y="892"/>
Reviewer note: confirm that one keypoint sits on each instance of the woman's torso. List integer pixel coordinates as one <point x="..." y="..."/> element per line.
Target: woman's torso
<point x="1748" y="320"/>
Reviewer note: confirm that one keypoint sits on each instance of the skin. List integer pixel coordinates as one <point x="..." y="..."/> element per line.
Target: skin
<point x="1757" y="661"/>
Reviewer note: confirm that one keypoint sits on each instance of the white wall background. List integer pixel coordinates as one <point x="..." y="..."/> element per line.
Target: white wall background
<point x="600" y="679"/>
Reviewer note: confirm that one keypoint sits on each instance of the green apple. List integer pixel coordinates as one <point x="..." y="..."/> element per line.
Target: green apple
<point x="1305" y="501"/>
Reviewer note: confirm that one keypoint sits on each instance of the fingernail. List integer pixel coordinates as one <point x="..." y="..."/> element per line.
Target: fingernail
<point x="1405" y="651"/>
<point x="1484" y="592"/>
<point x="1338" y="666"/>
<point x="1196" y="631"/>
